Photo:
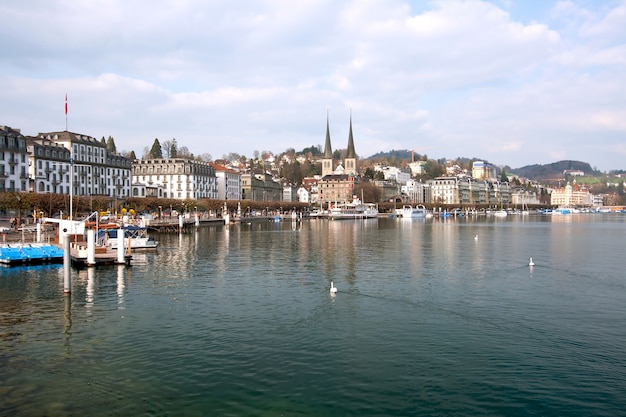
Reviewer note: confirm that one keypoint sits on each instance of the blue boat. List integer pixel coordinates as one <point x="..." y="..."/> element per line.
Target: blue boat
<point x="29" y="254"/>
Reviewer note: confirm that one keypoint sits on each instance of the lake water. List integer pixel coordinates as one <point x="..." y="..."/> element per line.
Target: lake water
<point x="435" y="317"/>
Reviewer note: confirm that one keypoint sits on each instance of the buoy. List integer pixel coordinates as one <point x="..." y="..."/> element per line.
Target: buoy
<point x="531" y="263"/>
<point x="333" y="290"/>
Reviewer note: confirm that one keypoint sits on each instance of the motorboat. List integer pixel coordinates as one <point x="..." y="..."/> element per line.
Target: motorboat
<point x="135" y="237"/>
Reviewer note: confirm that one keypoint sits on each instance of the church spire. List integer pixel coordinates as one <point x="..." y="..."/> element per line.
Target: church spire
<point x="350" y="160"/>
<point x="327" y="158"/>
<point x="328" y="151"/>
<point x="350" y="153"/>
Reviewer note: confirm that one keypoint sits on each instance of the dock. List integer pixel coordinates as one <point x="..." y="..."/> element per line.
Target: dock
<point x="103" y="256"/>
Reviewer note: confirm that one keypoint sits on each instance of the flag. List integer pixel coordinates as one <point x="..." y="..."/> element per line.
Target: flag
<point x="66" y="104"/>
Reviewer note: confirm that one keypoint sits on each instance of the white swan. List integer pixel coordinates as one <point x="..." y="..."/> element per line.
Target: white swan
<point x="476" y="237"/>
<point x="531" y="263"/>
<point x="333" y="289"/>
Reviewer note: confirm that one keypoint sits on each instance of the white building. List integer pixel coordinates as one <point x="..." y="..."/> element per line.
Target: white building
<point x="228" y="182"/>
<point x="96" y="171"/>
<point x="49" y="166"/>
<point x="483" y="171"/>
<point x="13" y="161"/>
<point x="178" y="178"/>
<point x="416" y="192"/>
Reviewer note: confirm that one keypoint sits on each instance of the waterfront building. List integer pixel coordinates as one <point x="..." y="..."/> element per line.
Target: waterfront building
<point x="571" y="196"/>
<point x="228" y="182"/>
<point x="467" y="191"/>
<point x="49" y="166"/>
<point x="177" y="178"/>
<point x="260" y="186"/>
<point x="445" y="190"/>
<point x="95" y="170"/>
<point x="524" y="198"/>
<point x="416" y="192"/>
<point x="290" y="192"/>
<point x="13" y="161"/>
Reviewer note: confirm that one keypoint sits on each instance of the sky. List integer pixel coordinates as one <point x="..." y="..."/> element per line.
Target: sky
<point x="512" y="82"/>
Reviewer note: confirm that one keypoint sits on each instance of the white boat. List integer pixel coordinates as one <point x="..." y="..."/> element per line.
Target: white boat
<point x="354" y="210"/>
<point x="500" y="213"/>
<point x="410" y="212"/>
<point x="136" y="236"/>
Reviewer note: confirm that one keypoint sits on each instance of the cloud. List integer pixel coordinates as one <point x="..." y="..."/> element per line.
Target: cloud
<point x="468" y="77"/>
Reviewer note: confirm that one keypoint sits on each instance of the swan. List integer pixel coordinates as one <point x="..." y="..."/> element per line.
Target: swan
<point x="476" y="237"/>
<point x="531" y="263"/>
<point x="333" y="289"/>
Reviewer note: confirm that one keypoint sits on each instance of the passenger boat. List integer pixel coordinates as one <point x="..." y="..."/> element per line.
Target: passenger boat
<point x="134" y="236"/>
<point x="410" y="212"/>
<point x="354" y="210"/>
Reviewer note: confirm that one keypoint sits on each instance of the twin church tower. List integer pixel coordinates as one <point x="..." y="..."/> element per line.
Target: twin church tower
<point x="349" y="167"/>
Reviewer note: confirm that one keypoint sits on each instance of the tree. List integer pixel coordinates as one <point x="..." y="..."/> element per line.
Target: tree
<point x="503" y="176"/>
<point x="111" y="145"/>
<point x="132" y="155"/>
<point x="170" y="148"/>
<point x="155" y="151"/>
<point x="206" y="157"/>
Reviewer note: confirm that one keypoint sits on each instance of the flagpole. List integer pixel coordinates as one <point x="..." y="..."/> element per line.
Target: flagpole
<point x="71" y="165"/>
<point x="66" y="112"/>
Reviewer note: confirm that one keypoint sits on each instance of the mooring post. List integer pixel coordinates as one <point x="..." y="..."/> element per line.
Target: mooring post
<point x="91" y="247"/>
<point x="120" y="246"/>
<point x="67" y="278"/>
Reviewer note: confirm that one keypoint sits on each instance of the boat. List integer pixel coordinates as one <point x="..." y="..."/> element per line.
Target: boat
<point x="500" y="213"/>
<point x="354" y="210"/>
<point x="410" y="212"/>
<point x="135" y="237"/>
<point x="30" y="253"/>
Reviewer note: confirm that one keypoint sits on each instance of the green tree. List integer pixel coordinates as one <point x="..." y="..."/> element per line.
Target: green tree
<point x="369" y="173"/>
<point x="132" y="155"/>
<point x="503" y="176"/>
<point x="155" y="151"/>
<point x="111" y="145"/>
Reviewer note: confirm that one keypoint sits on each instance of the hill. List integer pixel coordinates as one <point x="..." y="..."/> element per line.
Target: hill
<point x="554" y="170"/>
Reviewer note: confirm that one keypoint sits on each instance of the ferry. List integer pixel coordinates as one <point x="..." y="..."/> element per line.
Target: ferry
<point x="354" y="210"/>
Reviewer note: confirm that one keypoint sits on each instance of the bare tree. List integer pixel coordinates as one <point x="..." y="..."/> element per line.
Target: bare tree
<point x="206" y="157"/>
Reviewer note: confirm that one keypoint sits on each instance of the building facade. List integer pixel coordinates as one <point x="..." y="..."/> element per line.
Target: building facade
<point x="14" y="172"/>
<point x="177" y="178"/>
<point x="94" y="171"/>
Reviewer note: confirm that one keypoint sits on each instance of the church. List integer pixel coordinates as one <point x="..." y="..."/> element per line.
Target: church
<point x="337" y="183"/>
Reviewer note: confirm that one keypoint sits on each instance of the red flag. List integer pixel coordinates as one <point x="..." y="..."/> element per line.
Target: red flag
<point x="66" y="104"/>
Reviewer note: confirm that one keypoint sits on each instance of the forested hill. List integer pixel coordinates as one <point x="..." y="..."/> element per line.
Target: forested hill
<point x="553" y="170"/>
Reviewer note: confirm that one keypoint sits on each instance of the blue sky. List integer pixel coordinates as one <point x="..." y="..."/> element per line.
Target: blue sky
<point x="512" y="82"/>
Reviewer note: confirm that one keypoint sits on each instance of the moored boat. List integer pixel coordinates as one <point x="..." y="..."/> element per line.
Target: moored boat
<point x="410" y="212"/>
<point x="134" y="236"/>
<point x="354" y="210"/>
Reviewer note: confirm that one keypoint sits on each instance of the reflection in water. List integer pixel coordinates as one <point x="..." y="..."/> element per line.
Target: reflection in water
<point x="89" y="293"/>
<point x="120" y="284"/>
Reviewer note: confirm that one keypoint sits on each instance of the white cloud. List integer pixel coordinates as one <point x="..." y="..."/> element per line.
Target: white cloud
<point x="462" y="77"/>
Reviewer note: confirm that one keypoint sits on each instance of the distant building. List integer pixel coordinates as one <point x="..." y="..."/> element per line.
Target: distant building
<point x="571" y="196"/>
<point x="483" y="171"/>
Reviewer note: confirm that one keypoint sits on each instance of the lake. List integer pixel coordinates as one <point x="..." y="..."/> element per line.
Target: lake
<point x="432" y="317"/>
